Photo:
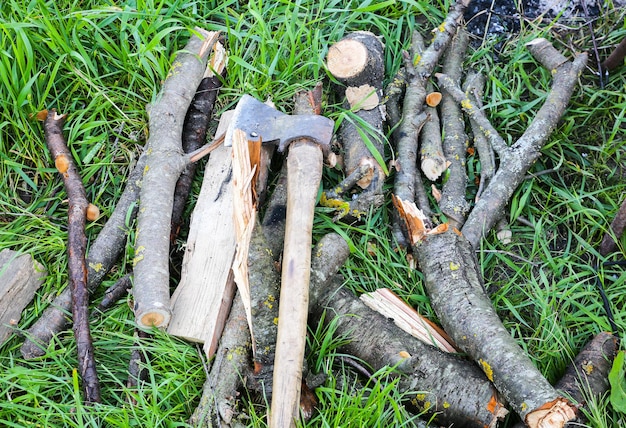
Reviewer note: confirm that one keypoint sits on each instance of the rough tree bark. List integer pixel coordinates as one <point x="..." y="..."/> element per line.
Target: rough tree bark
<point x="103" y="254"/>
<point x="357" y="61"/>
<point x="444" y="379"/>
<point x="194" y="137"/>
<point x="164" y="165"/>
<point x="407" y="179"/>
<point x="453" y="203"/>
<point x="451" y="275"/>
<point x="76" y="249"/>
<point x="586" y="377"/>
<point x="454" y="285"/>
<point x="518" y="158"/>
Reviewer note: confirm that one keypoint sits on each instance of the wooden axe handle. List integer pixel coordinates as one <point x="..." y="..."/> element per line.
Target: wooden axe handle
<point x="304" y="173"/>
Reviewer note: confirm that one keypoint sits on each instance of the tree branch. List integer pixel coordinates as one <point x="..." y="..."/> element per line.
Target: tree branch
<point x="165" y="164"/>
<point x="76" y="248"/>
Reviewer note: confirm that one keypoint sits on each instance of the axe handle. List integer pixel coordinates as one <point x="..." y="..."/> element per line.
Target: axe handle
<point x="304" y="173"/>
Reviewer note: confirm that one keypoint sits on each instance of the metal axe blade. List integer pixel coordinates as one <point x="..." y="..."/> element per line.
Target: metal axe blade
<point x="262" y="122"/>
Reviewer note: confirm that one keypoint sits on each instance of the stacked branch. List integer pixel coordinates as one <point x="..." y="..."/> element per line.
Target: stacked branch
<point x="451" y="274"/>
<point x="408" y="183"/>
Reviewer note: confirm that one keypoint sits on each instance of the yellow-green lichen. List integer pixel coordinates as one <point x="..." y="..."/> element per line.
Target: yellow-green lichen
<point x="96" y="266"/>
<point x="487" y="369"/>
<point x="338" y="204"/>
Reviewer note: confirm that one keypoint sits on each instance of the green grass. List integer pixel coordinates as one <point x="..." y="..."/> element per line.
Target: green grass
<point x="103" y="61"/>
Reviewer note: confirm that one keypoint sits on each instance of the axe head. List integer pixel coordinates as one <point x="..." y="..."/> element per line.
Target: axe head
<point x="262" y="122"/>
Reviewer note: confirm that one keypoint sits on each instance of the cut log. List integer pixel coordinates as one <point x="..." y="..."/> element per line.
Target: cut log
<point x="442" y="380"/>
<point x="357" y="61"/>
<point x="201" y="301"/>
<point x="165" y="163"/>
<point x="453" y="282"/>
<point x="20" y="277"/>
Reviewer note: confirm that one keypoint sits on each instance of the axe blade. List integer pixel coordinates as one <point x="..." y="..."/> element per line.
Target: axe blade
<point x="262" y="122"/>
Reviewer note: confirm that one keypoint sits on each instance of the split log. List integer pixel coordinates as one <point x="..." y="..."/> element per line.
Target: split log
<point x="20" y="277"/>
<point x="357" y="61"/>
<point x="201" y="300"/>
<point x="164" y="165"/>
<point x="406" y="178"/>
<point x="76" y="250"/>
<point x="443" y="379"/>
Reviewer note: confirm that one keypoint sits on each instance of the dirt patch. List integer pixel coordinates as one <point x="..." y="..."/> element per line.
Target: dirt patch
<point x="501" y="17"/>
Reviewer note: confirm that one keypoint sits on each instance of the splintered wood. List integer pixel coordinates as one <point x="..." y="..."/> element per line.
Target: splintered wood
<point x="246" y="158"/>
<point x="201" y="301"/>
<point x="387" y="303"/>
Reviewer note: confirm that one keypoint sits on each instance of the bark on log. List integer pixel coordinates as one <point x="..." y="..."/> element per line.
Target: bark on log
<point x="518" y="158"/>
<point x="357" y="61"/>
<point x="165" y="164"/>
<point x="616" y="58"/>
<point x="454" y="284"/>
<point x="414" y="98"/>
<point x="264" y="282"/>
<point x="443" y="379"/>
<point x="20" y="277"/>
<point x="194" y="136"/>
<point x="115" y="292"/>
<point x="433" y="162"/>
<point x="453" y="203"/>
<point x="609" y="243"/>
<point x="586" y="377"/>
<point x="474" y="88"/>
<point x="76" y="248"/>
<point x="103" y="253"/>
<point x="230" y="366"/>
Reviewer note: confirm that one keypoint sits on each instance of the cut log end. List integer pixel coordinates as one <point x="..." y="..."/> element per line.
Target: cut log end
<point x="433" y="167"/>
<point x="347" y="58"/>
<point x="159" y="318"/>
<point x="554" y="414"/>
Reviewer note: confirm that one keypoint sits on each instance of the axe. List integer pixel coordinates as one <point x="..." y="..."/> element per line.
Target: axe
<point x="308" y="138"/>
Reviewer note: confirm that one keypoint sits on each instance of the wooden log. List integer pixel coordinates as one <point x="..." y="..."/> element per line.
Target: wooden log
<point x="357" y="62"/>
<point x="152" y="305"/>
<point x="202" y="299"/>
<point x="20" y="277"/>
